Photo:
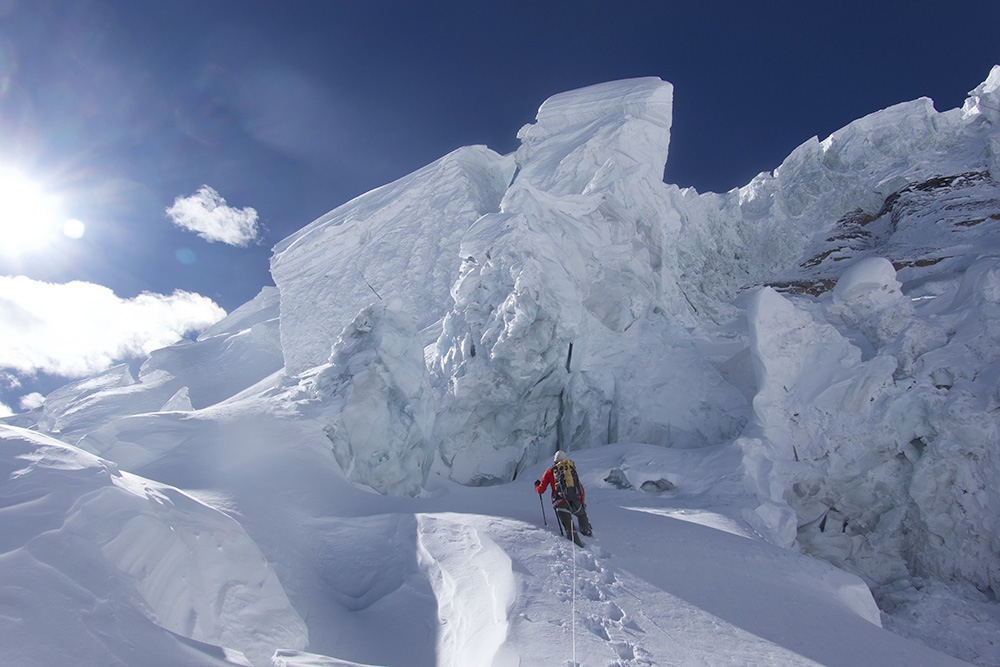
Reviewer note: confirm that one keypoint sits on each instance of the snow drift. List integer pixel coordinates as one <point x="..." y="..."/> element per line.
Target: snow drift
<point x="150" y="566"/>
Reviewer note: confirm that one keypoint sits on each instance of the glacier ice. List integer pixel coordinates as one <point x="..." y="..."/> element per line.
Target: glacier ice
<point x="563" y="288"/>
<point x="398" y="241"/>
<point x="377" y="393"/>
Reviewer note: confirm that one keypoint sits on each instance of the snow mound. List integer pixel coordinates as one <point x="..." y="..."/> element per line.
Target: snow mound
<point x="872" y="280"/>
<point x="115" y="555"/>
<point x="474" y="585"/>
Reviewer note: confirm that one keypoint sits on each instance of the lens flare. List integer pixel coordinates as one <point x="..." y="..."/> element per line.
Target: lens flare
<point x="74" y="228"/>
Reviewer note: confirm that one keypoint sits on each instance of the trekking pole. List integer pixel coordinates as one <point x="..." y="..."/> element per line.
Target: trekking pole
<point x="542" y="503"/>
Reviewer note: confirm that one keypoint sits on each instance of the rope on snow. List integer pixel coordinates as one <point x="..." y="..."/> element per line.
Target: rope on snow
<point x="573" y="611"/>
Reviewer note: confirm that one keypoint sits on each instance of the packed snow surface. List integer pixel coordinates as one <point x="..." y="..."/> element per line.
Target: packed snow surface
<point x="782" y="401"/>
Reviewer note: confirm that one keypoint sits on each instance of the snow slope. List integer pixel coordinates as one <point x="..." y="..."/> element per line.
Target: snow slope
<point x="782" y="399"/>
<point x="112" y="568"/>
<point x="460" y="577"/>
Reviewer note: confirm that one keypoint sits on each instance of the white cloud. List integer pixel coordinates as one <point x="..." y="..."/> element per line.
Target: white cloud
<point x="207" y="213"/>
<point x="31" y="401"/>
<point x="77" y="329"/>
<point x="5" y="411"/>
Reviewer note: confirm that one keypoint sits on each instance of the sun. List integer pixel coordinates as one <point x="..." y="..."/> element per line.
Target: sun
<point x="29" y="217"/>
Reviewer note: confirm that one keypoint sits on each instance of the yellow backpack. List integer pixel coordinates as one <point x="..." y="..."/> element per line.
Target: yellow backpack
<point x="567" y="482"/>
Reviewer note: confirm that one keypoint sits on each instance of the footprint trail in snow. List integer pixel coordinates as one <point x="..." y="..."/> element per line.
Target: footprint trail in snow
<point x="620" y="621"/>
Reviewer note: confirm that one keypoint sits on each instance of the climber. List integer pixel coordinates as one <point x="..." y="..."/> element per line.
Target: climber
<point x="567" y="496"/>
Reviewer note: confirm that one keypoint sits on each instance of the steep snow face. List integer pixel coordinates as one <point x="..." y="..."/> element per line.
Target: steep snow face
<point x="577" y="133"/>
<point x="882" y="454"/>
<point x="575" y="274"/>
<point x="399" y="241"/>
<point x="150" y="563"/>
<point x="815" y="403"/>
<point x="873" y="432"/>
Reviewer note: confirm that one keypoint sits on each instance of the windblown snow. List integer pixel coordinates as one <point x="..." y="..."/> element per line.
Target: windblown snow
<point x="783" y="401"/>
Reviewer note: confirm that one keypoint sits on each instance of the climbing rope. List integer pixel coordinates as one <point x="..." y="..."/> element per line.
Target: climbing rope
<point x="573" y="538"/>
<point x="573" y="611"/>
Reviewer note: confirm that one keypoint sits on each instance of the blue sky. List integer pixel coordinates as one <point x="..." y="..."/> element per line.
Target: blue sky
<point x="112" y="111"/>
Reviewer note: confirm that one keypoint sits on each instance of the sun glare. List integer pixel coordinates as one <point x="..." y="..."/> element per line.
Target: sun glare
<point x="29" y="218"/>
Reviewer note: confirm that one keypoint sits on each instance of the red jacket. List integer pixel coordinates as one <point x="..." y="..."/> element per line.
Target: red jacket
<point x="549" y="479"/>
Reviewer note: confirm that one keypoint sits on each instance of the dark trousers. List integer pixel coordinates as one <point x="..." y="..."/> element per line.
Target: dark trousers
<point x="566" y="511"/>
